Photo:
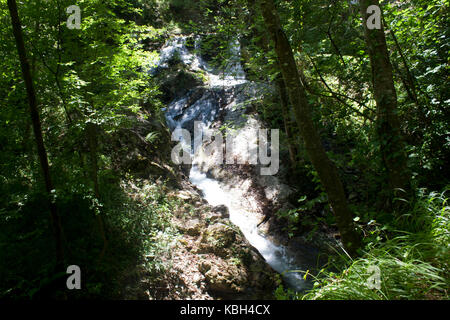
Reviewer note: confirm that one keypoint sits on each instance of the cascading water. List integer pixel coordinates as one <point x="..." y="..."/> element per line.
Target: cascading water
<point x="276" y="256"/>
<point x="180" y="114"/>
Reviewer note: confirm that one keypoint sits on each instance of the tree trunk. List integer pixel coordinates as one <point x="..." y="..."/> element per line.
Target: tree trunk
<point x="325" y="168"/>
<point x="91" y="131"/>
<point x="388" y="123"/>
<point x="284" y="101"/>
<point x="264" y="45"/>
<point x="17" y="30"/>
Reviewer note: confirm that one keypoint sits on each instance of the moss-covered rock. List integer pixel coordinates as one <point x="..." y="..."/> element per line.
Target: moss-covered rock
<point x="226" y="265"/>
<point x="224" y="277"/>
<point x="177" y="81"/>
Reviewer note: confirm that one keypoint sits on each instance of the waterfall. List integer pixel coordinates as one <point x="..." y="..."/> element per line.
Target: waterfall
<point x="182" y="114"/>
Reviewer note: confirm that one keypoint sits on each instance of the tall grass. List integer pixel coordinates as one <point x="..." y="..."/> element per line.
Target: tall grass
<point x="413" y="263"/>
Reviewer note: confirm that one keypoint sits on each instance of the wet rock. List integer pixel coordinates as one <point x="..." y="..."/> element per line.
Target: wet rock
<point x="220" y="212"/>
<point x="274" y="190"/>
<point x="218" y="239"/>
<point x="219" y="235"/>
<point x="215" y="259"/>
<point x="192" y="227"/>
<point x="185" y="195"/>
<point x="176" y="82"/>
<point x="224" y="277"/>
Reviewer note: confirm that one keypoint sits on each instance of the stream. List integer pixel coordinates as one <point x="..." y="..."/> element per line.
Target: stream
<point x="182" y="112"/>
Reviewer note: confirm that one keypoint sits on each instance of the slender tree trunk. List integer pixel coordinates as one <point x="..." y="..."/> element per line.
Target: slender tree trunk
<point x="91" y="131"/>
<point x="325" y="168"/>
<point x="284" y="101"/>
<point x="264" y="45"/>
<point x="388" y="123"/>
<point x="17" y="30"/>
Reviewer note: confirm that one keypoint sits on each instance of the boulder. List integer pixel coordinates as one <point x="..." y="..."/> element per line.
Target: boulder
<point x="224" y="277"/>
<point x="218" y="212"/>
<point x="192" y="227"/>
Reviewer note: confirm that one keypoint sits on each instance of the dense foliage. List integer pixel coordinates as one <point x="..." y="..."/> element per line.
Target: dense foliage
<point x="97" y="101"/>
<point x="93" y="88"/>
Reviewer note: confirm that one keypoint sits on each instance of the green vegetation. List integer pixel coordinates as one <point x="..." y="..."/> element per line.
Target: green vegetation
<point x="138" y="222"/>
<point x="413" y="264"/>
<point x="93" y="90"/>
<point x="399" y="227"/>
<point x="363" y="115"/>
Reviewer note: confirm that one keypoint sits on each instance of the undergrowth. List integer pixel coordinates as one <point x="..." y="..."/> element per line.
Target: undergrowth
<point x="396" y="264"/>
<point x="137" y="219"/>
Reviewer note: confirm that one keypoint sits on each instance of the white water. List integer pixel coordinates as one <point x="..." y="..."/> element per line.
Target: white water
<point x="233" y="75"/>
<point x="276" y="256"/>
<point x="179" y="114"/>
